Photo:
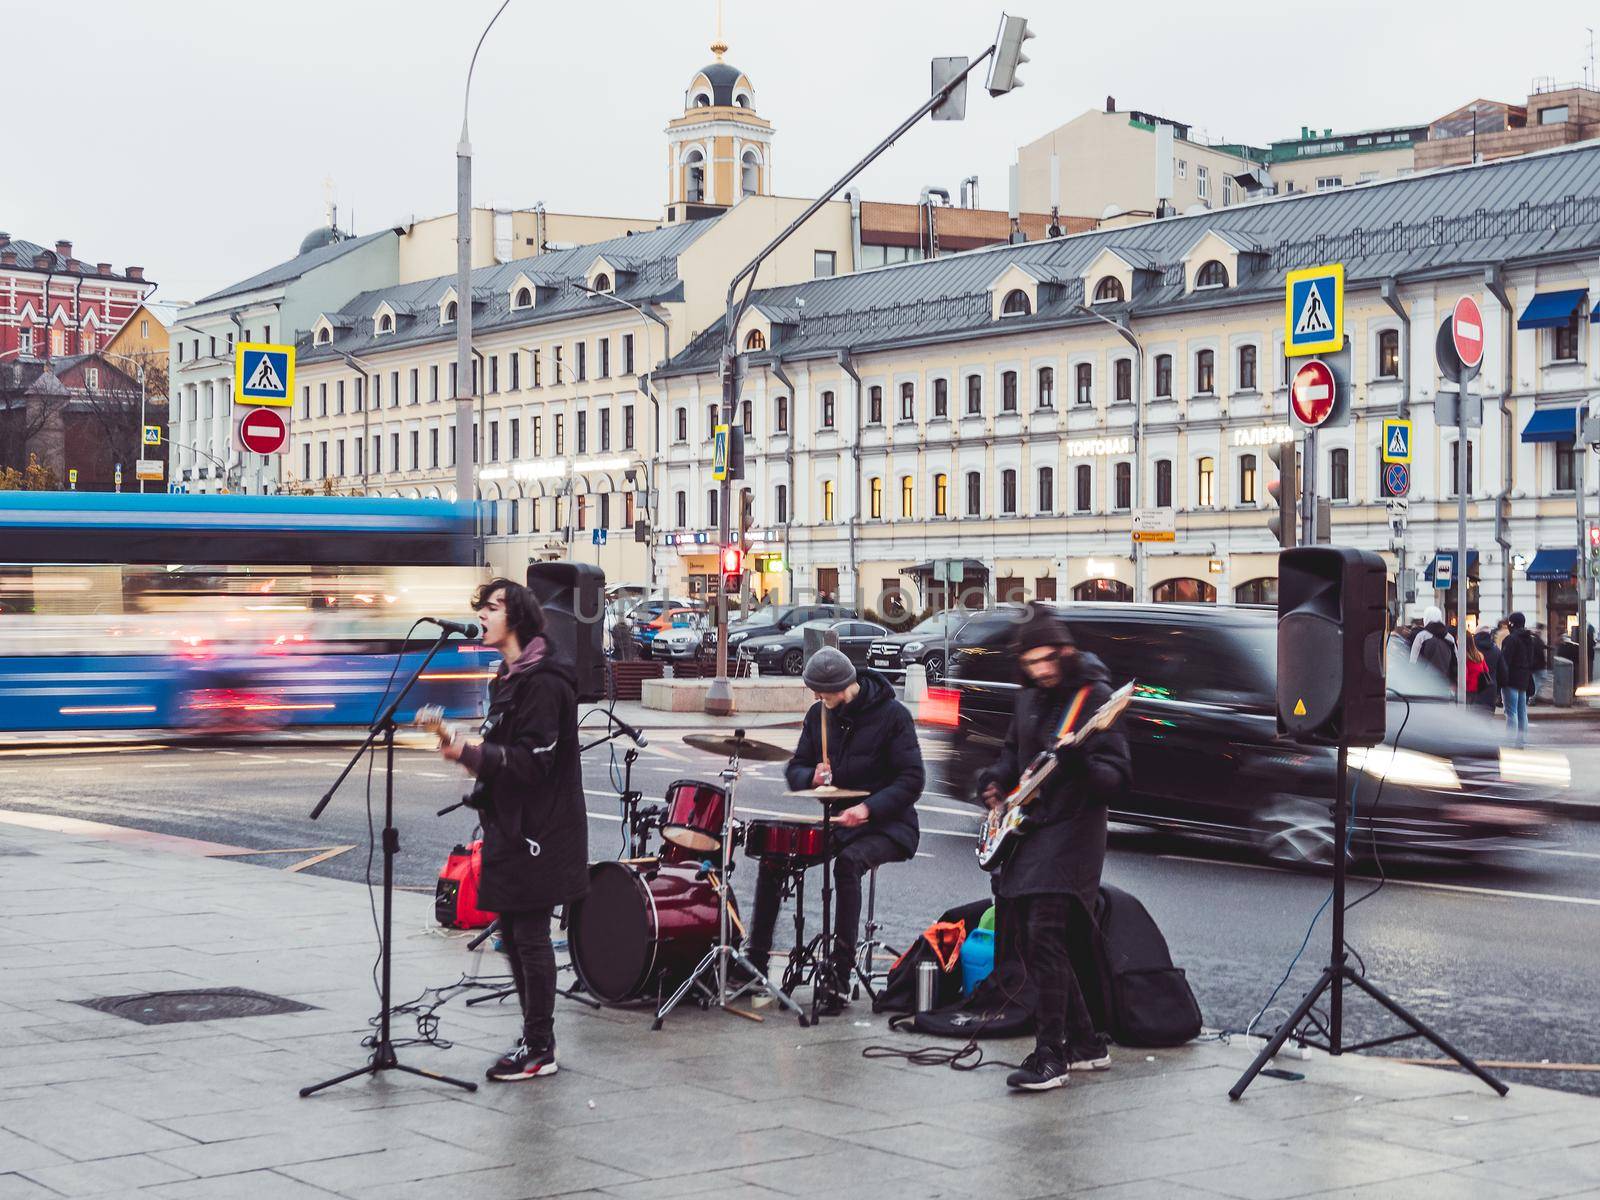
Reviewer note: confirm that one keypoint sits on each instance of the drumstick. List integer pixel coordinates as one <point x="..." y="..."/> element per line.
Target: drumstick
<point x="822" y="720"/>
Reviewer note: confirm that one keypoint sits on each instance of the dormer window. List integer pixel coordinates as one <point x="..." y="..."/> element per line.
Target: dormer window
<point x="449" y="315"/>
<point x="523" y="299"/>
<point x="1212" y="275"/>
<point x="755" y="340"/>
<point x="1016" y="304"/>
<point x="1108" y="291"/>
<point x="386" y="324"/>
<point x="324" y="336"/>
<point x="602" y="282"/>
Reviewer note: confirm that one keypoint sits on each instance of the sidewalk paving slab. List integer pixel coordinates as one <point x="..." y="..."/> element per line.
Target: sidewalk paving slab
<point x="712" y="1106"/>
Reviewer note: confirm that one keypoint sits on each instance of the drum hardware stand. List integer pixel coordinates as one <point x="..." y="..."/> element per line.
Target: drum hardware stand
<point x="871" y="944"/>
<point x="383" y="1056"/>
<point x="711" y="974"/>
<point x="1338" y="972"/>
<point x="573" y="991"/>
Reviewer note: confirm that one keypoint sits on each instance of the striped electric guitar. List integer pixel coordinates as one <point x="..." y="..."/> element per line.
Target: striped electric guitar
<point x="1007" y="824"/>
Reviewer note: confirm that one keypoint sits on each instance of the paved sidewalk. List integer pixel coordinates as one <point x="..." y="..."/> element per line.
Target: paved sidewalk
<point x="711" y="1107"/>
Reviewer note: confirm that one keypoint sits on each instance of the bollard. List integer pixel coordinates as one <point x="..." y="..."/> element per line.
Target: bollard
<point x="755" y="669"/>
<point x="916" y="690"/>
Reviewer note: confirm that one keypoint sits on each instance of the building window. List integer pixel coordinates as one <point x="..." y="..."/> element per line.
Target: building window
<point x="533" y="367"/>
<point x="683" y="510"/>
<point x="1247" y="369"/>
<point x="1205" y="373"/>
<point x="695" y="173"/>
<point x="627" y="354"/>
<point x="1108" y="290"/>
<point x="1564" y="342"/>
<point x="682" y="420"/>
<point x="524" y="299"/>
<point x="415" y="447"/>
<point x="974" y="493"/>
<point x="561" y="433"/>
<point x="747" y="417"/>
<point x="780" y="415"/>
<point x="494" y="441"/>
<point x="1124" y="478"/>
<point x="1227" y="194"/>
<point x="1122" y="380"/>
<point x="908" y="495"/>
<point x="1324" y="182"/>
<point x="908" y="402"/>
<point x="1206" y="483"/>
<point x="627" y="427"/>
<point x="559" y="364"/>
<point x="1455" y="468"/>
<point x="1083" y="392"/>
<point x="583" y="432"/>
<point x="1212" y="275"/>
<point x="875" y="406"/>
<point x="780" y="503"/>
<point x="1163" y="377"/>
<point x="823" y="263"/>
<point x="605" y="429"/>
<point x="1556" y="114"/>
<point x="1564" y="468"/>
<point x="1008" y="492"/>
<point x="386" y="324"/>
<point x="941" y="398"/>
<point x="1016" y="304"/>
<point x="941" y="495"/>
<point x="1389" y="354"/>
<point x="1164" y="483"/>
<point x="755" y="340"/>
<point x="974" y="395"/>
<point x="433" y="448"/>
<point x="1202" y="183"/>
<point x="1339" y="474"/>
<point x="712" y="516"/>
<point x="875" y="498"/>
<point x="449" y="313"/>
<point x="827" y="410"/>
<point x="1008" y="391"/>
<point x="1247" y="479"/>
<point x="1184" y="591"/>
<point x="25" y="344"/>
<point x="1046" y="380"/>
<point x="602" y="283"/>
<point x="537" y="434"/>
<point x="750" y="174"/>
<point x="582" y="363"/>
<point x="827" y="500"/>
<point x="605" y="358"/>
<point x="1082" y="487"/>
<point x="711" y="421"/>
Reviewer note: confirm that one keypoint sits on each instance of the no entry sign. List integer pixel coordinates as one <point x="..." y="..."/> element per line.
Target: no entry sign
<point x="1466" y="332"/>
<point x="262" y="431"/>
<point x="1312" y="393"/>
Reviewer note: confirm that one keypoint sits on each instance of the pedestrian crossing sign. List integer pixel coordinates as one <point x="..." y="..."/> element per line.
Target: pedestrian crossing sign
<point x="1396" y="441"/>
<point x="1313" y="310"/>
<point x="263" y="374"/>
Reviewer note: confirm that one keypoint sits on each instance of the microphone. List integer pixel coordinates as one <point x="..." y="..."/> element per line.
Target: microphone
<point x="467" y="629"/>
<point x="638" y="736"/>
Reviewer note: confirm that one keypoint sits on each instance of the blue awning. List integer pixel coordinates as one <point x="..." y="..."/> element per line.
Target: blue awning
<point x="1472" y="561"/>
<point x="1553" y="425"/>
<point x="1560" y="563"/>
<point x="1550" y="309"/>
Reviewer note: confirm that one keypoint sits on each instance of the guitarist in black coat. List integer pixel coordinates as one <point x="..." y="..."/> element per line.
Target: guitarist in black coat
<point x="1052" y="877"/>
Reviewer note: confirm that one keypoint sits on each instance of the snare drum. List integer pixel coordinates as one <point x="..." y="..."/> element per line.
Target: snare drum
<point x="788" y="843"/>
<point x="692" y="827"/>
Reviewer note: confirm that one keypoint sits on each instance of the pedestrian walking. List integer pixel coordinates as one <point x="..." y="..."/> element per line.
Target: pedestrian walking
<point x="1541" y="664"/>
<point x="1519" y="651"/>
<point x="1480" y="676"/>
<point x="1434" y="644"/>
<point x="1496" y="665"/>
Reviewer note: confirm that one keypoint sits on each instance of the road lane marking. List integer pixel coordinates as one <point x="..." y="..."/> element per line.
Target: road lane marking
<point x="324" y="856"/>
<point x="1505" y="893"/>
<point x="67" y="751"/>
<point x="1562" y="853"/>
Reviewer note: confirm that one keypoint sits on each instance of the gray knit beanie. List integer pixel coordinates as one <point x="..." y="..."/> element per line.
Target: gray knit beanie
<point x="829" y="671"/>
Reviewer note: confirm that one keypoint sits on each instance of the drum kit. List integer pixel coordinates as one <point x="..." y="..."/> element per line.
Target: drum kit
<point x="670" y="919"/>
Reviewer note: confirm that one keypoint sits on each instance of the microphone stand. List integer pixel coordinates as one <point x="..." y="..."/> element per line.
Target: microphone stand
<point x="384" y="1057"/>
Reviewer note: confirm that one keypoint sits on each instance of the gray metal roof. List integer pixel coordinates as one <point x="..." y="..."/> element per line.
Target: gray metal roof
<point x="28" y="253"/>
<point x="651" y="276"/>
<point x="286" y="272"/>
<point x="1536" y="208"/>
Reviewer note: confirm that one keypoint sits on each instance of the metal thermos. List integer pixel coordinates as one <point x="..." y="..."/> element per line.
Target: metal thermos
<point x="927" y="985"/>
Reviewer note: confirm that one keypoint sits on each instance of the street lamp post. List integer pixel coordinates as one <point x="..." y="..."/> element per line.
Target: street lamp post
<point x="1006" y="51"/>
<point x="1138" y="436"/>
<point x="465" y="472"/>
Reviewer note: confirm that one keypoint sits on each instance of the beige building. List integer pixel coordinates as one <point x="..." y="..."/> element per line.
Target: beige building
<point x="1553" y="116"/>
<point x="986" y="408"/>
<point x="428" y="247"/>
<point x="1316" y="162"/>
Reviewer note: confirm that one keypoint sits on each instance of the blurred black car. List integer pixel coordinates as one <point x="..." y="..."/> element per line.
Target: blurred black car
<point x="923" y="643"/>
<point x="1207" y="759"/>
<point x="770" y="622"/>
<point x="785" y="653"/>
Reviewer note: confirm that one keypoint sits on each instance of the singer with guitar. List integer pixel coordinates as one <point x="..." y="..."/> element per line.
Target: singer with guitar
<point x="1047" y="883"/>
<point x="530" y="798"/>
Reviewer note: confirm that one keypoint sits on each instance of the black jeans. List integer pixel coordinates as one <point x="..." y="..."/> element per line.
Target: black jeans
<point x="526" y="938"/>
<point x="1037" y="929"/>
<point x="849" y="864"/>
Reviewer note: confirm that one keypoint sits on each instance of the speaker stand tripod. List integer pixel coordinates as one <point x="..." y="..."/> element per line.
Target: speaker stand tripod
<point x="1338" y="972"/>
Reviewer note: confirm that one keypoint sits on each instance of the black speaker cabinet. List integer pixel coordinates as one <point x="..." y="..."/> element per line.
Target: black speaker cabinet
<point x="1332" y="625"/>
<point x="573" y="595"/>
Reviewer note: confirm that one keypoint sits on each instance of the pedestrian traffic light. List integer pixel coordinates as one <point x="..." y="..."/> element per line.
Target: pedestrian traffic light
<point x="1332" y="620"/>
<point x="1284" y="491"/>
<point x="732" y="560"/>
<point x="747" y="513"/>
<point x="1008" y="55"/>
<point x="1594" y="549"/>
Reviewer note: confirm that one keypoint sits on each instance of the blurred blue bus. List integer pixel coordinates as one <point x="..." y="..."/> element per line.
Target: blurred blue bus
<point x="227" y="613"/>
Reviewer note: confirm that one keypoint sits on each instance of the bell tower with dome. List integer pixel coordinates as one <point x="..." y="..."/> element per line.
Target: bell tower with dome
<point x="719" y="151"/>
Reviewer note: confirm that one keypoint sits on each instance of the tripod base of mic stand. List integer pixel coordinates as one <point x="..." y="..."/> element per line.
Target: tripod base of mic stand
<point x="1334" y="977"/>
<point x="709" y="964"/>
<point x="385" y="1059"/>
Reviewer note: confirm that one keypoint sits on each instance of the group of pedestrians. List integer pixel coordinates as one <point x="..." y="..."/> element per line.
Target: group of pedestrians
<point x="1504" y="663"/>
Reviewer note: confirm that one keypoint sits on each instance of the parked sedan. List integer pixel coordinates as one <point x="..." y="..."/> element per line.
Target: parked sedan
<point x="1207" y="758"/>
<point x="682" y="641"/>
<point x="923" y="643"/>
<point x="785" y="653"/>
<point x="645" y="632"/>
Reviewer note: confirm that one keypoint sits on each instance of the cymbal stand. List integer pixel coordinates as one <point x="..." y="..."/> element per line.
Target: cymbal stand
<point x="711" y="973"/>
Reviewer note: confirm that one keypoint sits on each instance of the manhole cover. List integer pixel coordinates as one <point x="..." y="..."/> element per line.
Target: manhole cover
<point x="199" y="1004"/>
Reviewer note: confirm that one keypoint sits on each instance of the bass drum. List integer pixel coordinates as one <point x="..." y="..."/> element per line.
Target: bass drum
<point x="639" y="925"/>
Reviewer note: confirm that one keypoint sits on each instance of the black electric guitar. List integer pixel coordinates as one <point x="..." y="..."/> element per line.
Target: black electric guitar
<point x="1007" y="823"/>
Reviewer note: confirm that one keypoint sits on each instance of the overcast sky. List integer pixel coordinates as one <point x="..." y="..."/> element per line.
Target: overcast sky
<point x="194" y="136"/>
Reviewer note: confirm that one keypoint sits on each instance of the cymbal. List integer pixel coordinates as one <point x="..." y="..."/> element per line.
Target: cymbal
<point x="827" y="792"/>
<point x="747" y="748"/>
<point x="750" y="814"/>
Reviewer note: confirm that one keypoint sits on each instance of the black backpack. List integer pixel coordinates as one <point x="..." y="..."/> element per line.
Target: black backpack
<point x="899" y="991"/>
<point x="1143" y="999"/>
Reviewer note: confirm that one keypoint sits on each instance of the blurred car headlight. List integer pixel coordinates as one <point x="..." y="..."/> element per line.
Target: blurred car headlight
<point x="914" y="647"/>
<point x="1410" y="768"/>
<point x="1543" y="767"/>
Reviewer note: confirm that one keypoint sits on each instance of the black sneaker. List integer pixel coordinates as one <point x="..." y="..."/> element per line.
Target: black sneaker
<point x="1095" y="1057"/>
<point x="1039" y="1072"/>
<point x="524" y="1062"/>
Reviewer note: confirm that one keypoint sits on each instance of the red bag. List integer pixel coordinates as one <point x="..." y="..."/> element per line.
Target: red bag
<point x="455" y="899"/>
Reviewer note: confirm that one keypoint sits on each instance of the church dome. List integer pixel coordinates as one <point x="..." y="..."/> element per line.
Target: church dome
<point x="720" y="85"/>
<point x="319" y="237"/>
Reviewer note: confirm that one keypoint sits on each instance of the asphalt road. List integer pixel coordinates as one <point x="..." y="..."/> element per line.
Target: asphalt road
<point x="1501" y="959"/>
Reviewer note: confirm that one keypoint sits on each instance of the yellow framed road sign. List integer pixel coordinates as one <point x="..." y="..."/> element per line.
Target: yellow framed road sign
<point x="1396" y="440"/>
<point x="263" y="374"/>
<point x="1313" y="310"/>
<point x="719" y="453"/>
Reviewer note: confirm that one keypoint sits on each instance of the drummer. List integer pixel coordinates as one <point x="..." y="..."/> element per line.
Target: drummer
<point x="870" y="745"/>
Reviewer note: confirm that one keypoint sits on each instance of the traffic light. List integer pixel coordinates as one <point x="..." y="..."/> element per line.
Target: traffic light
<point x="1332" y="619"/>
<point x="747" y="507"/>
<point x="732" y="560"/>
<point x="736" y="451"/>
<point x="1008" y="55"/>
<point x="1284" y="492"/>
<point x="1594" y="549"/>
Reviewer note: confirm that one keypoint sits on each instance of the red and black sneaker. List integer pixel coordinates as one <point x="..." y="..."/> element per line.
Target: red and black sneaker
<point x="524" y="1062"/>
